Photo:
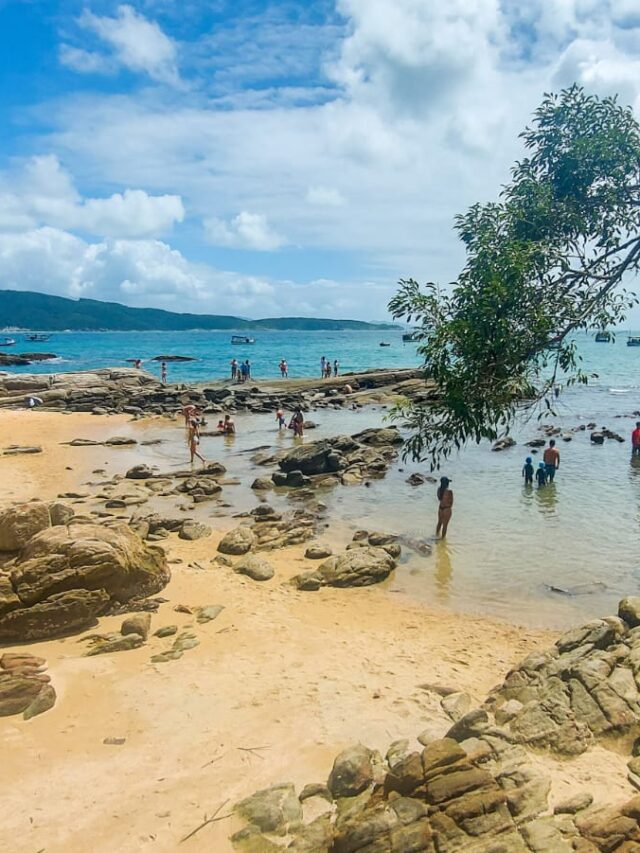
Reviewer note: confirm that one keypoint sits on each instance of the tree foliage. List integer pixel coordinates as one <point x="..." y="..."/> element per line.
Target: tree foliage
<point x="545" y="261"/>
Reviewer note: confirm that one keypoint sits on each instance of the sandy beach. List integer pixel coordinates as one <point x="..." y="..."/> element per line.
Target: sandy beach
<point x="280" y="682"/>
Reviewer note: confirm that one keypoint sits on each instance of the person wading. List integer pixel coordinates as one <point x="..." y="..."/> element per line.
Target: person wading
<point x="551" y="460"/>
<point x="445" y="506"/>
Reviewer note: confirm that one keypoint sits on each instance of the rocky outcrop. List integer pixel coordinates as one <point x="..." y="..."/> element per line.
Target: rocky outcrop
<point x="362" y="566"/>
<point x="65" y="576"/>
<point x="477" y="789"/>
<point x="24" y="686"/>
<point x="22" y="521"/>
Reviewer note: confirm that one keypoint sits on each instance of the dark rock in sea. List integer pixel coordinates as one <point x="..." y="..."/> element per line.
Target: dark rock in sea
<point x="173" y="358"/>
<point x="504" y="443"/>
<point x="597" y="438"/>
<point x="261" y="484"/>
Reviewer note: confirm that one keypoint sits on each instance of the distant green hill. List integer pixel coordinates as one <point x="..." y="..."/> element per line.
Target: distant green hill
<point x="29" y="310"/>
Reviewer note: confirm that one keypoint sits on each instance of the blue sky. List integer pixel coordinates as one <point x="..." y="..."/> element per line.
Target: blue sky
<point x="273" y="158"/>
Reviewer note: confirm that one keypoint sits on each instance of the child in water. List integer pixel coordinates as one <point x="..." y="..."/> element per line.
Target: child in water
<point x="541" y="475"/>
<point x="280" y="419"/>
<point x="528" y="471"/>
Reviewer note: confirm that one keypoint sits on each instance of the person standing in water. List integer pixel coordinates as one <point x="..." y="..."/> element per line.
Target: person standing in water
<point x="528" y="471"/>
<point x="635" y="440"/>
<point x="551" y="459"/>
<point x="541" y="474"/>
<point x="323" y="362"/>
<point x="280" y="420"/>
<point x="163" y="373"/>
<point x="445" y="507"/>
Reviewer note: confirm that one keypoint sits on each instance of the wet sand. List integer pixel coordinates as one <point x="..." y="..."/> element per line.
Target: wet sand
<point x="280" y="682"/>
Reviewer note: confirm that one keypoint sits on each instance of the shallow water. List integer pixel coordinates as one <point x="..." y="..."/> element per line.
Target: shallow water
<point x="507" y="545"/>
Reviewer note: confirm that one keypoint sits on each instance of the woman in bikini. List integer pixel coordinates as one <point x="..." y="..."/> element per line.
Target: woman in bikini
<point x="445" y="506"/>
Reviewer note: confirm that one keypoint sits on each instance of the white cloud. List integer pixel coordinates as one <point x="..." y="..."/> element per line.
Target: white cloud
<point x="136" y="43"/>
<point x="244" y="231"/>
<point x="325" y="196"/>
<point x="43" y="193"/>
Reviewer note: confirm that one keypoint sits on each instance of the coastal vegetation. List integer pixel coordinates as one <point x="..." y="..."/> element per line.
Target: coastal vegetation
<point x="29" y="310"/>
<point x="547" y="260"/>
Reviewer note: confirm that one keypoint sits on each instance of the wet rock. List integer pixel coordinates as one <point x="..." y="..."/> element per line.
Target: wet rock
<point x="416" y="479"/>
<point x="257" y="568"/>
<point x="138" y="624"/>
<point x="597" y="438"/>
<point x="271" y="809"/>
<point x="318" y="552"/>
<point x="629" y="610"/>
<point x="139" y="472"/>
<point x="503" y="443"/>
<point x="237" y="542"/>
<point x="120" y="441"/>
<point x="352" y="772"/>
<point x="261" y="484"/>
<point x="191" y="530"/>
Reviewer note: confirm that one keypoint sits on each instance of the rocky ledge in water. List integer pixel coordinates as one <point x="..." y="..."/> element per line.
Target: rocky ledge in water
<point x="478" y="789"/>
<point x="20" y="359"/>
<point x="135" y="392"/>
<point x="344" y="459"/>
<point x="66" y="573"/>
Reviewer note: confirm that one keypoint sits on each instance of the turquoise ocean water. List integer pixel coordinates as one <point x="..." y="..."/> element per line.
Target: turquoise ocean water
<point x="507" y="546"/>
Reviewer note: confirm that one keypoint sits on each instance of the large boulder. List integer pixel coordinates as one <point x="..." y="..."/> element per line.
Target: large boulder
<point x="358" y="567"/>
<point x="308" y="458"/>
<point x="256" y="568"/>
<point x="352" y="772"/>
<point x="19" y="523"/>
<point x="66" y="576"/>
<point x="238" y="541"/>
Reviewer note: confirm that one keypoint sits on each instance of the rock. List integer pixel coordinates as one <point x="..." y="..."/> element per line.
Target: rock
<point x="295" y="479"/>
<point x="106" y="643"/>
<point x="456" y="705"/>
<point x="629" y="610"/>
<point x="120" y="441"/>
<point x="138" y="624"/>
<point x="416" y="479"/>
<point x="255" y="567"/>
<point x="379" y="437"/>
<point x="114" y="741"/>
<point x="166" y="631"/>
<point x="359" y="567"/>
<point x="17" y="449"/>
<point x="318" y="552"/>
<point x="43" y="701"/>
<point x="279" y="479"/>
<point x="19" y="523"/>
<point x="271" y="809"/>
<point x="352" y="772"/>
<point x="307" y="582"/>
<point x="261" y="484"/>
<point x="139" y="472"/>
<point x="209" y="613"/>
<point x="315" y="790"/>
<point x="65" y="576"/>
<point x="576" y="803"/>
<point x="238" y="541"/>
<point x="503" y="443"/>
<point x="191" y="530"/>
<point x="597" y="438"/>
<point x="307" y="458"/>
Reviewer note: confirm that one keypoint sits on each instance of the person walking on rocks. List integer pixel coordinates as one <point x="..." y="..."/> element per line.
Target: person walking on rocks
<point x="635" y="440"/>
<point x="163" y="373"/>
<point x="551" y="459"/>
<point x="445" y="506"/>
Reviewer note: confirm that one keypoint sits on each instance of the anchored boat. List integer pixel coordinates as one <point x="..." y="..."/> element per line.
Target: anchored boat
<point x="7" y="342"/>
<point x="242" y="339"/>
<point x="38" y="337"/>
<point x="603" y="337"/>
<point x="633" y="341"/>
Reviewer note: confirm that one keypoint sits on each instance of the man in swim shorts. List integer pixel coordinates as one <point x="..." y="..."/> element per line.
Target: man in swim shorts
<point x="551" y="460"/>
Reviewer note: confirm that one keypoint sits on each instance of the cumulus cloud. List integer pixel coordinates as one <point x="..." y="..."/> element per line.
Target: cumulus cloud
<point x="132" y="41"/>
<point x="43" y="193"/>
<point x="244" y="231"/>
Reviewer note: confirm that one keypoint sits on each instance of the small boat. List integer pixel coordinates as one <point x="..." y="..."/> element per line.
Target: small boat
<point x="383" y="344"/>
<point x="7" y="342"/>
<point x="38" y="337"/>
<point x="410" y="337"/>
<point x="603" y="337"/>
<point x="242" y="339"/>
<point x="633" y="341"/>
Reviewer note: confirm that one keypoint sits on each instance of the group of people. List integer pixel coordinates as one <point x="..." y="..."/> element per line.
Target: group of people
<point x="296" y="423"/>
<point x="194" y="421"/>
<point x="326" y="371"/>
<point x="240" y="372"/>
<point x="547" y="467"/>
